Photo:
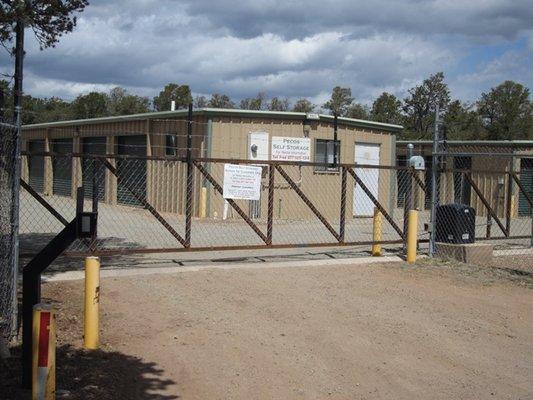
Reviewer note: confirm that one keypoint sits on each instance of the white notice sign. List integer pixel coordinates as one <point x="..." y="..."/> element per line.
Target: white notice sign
<point x="242" y="182"/>
<point x="291" y="149"/>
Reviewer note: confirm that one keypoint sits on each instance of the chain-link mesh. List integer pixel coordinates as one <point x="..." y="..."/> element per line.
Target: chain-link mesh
<point x="8" y="222"/>
<point x="143" y="203"/>
<point x="483" y="208"/>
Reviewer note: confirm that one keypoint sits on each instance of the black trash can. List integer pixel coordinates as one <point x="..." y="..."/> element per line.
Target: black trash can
<point x="455" y="223"/>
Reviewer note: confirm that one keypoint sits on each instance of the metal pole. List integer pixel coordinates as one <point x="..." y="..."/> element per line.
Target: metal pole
<point x="531" y="212"/>
<point x="15" y="216"/>
<point x="410" y="148"/>
<point x="91" y="317"/>
<point x="509" y="208"/>
<point x="17" y="101"/>
<point x="19" y="61"/>
<point x="342" y="222"/>
<point x="2" y="104"/>
<point x="335" y="129"/>
<point x="189" y="206"/>
<point x="434" y="180"/>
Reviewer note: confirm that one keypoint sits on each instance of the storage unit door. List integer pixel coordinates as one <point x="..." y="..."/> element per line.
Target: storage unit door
<point x="526" y="178"/>
<point x="62" y="167"/>
<point x="132" y="171"/>
<point x="93" y="171"/>
<point x="36" y="165"/>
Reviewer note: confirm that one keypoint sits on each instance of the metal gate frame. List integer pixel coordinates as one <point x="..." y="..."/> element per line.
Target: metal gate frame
<point x="184" y="241"/>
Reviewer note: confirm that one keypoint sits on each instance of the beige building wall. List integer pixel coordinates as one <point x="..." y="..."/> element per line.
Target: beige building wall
<point x="230" y="140"/>
<point x="227" y="137"/>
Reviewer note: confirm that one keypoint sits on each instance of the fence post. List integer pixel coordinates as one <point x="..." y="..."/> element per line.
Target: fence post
<point x="508" y="209"/>
<point x="43" y="353"/>
<point x="531" y="212"/>
<point x="270" y="214"/>
<point x="203" y="202"/>
<point x="342" y="226"/>
<point x="189" y="205"/>
<point x="408" y="203"/>
<point x="376" y="233"/>
<point x="434" y="182"/>
<point x="412" y="233"/>
<point x="92" y="302"/>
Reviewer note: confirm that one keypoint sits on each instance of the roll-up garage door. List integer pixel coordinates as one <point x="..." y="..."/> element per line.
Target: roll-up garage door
<point x="62" y="167"/>
<point x="36" y="165"/>
<point x="91" y="167"/>
<point x="131" y="170"/>
<point x="526" y="179"/>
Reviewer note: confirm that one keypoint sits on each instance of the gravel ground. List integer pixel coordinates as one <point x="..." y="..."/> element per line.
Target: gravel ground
<point x="392" y="331"/>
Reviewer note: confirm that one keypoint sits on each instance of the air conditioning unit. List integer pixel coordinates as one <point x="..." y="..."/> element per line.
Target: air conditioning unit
<point x="455" y="223"/>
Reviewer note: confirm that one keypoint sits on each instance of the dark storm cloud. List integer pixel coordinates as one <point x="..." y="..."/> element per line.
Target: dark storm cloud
<point x="291" y="48"/>
<point x="303" y="18"/>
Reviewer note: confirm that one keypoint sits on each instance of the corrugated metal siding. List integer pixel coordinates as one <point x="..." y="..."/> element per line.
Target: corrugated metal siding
<point x="131" y="171"/>
<point x="230" y="139"/>
<point x="36" y="165"/>
<point x="92" y="168"/>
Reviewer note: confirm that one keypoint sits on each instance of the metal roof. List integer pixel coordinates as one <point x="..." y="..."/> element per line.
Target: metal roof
<point x="220" y="112"/>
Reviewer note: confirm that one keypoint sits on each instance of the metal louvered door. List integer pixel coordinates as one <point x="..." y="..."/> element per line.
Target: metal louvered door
<point x="36" y="165"/>
<point x="62" y="167"/>
<point x="92" y="170"/>
<point x="132" y="171"/>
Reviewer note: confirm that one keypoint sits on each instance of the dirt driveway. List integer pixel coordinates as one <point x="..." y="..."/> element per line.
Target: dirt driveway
<point x="320" y="332"/>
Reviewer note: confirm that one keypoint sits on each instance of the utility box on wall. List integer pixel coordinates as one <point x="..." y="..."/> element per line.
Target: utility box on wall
<point x="258" y="146"/>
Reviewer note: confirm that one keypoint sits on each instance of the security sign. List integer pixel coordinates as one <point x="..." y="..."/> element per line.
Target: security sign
<point x="242" y="182"/>
<point x="290" y="149"/>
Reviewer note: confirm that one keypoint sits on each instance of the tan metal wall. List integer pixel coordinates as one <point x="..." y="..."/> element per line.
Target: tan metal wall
<point x="230" y="139"/>
<point x="166" y="180"/>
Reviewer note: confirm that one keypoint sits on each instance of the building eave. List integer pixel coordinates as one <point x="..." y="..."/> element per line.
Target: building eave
<point x="222" y="112"/>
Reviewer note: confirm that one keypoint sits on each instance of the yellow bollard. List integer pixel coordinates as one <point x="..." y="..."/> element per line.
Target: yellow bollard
<point x="412" y="233"/>
<point x="43" y="353"/>
<point x="92" y="302"/>
<point x="203" y="202"/>
<point x="376" y="233"/>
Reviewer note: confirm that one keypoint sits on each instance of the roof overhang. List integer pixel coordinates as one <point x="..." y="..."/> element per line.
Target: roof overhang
<point x="220" y="112"/>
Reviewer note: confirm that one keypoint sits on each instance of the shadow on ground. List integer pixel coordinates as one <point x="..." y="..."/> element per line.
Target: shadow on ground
<point x="94" y="374"/>
<point x="32" y="243"/>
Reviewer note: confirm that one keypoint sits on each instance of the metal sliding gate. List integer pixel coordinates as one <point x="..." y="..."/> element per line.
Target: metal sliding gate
<point x="177" y="204"/>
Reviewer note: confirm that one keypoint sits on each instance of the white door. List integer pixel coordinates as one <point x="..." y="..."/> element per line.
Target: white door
<point x="366" y="153"/>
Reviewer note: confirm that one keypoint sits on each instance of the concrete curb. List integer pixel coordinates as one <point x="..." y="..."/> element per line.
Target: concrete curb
<point x="125" y="272"/>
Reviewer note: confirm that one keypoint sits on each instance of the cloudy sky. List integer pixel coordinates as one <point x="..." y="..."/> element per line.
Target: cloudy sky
<point x="292" y="48"/>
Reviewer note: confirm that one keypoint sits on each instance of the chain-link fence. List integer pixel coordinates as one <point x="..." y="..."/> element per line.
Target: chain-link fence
<point x="483" y="203"/>
<point x="8" y="228"/>
<point x="147" y="204"/>
<point x="169" y="203"/>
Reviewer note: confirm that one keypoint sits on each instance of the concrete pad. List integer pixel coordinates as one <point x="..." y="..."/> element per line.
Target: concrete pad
<point x="108" y="273"/>
<point x="469" y="253"/>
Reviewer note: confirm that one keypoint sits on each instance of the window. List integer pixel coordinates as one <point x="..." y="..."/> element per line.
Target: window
<point x="171" y="145"/>
<point x="324" y="153"/>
